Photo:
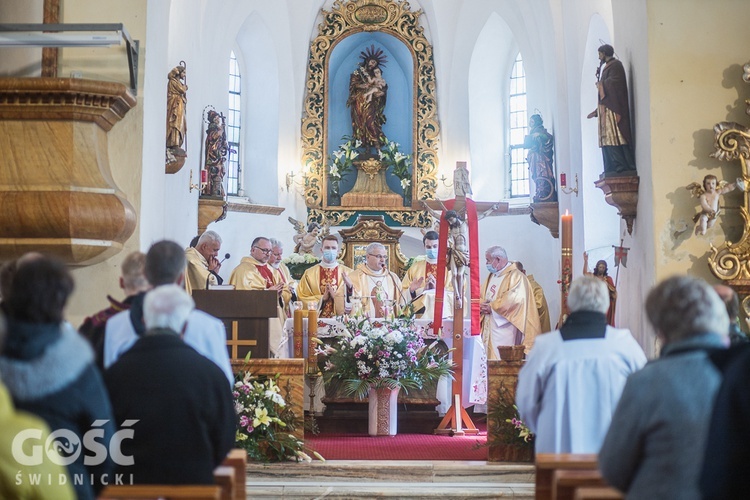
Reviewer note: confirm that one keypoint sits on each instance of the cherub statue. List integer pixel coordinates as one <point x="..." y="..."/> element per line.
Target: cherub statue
<point x="709" y="194"/>
<point x="306" y="238"/>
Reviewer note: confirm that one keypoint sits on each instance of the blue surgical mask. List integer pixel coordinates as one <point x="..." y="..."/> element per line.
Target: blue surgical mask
<point x="431" y="253"/>
<point x="491" y="269"/>
<point x="329" y="255"/>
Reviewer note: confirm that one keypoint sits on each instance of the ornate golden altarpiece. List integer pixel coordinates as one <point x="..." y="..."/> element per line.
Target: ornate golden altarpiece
<point x="730" y="261"/>
<point x="347" y="18"/>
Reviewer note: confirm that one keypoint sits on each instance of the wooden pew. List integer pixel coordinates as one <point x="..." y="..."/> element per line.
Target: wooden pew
<point x="224" y="478"/>
<point x="548" y="463"/>
<point x="565" y="482"/>
<point x="161" y="492"/>
<point x="237" y="460"/>
<point x="597" y="493"/>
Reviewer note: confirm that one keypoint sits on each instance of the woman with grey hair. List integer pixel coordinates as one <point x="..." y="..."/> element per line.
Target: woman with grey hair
<point x="655" y="445"/>
<point x="570" y="384"/>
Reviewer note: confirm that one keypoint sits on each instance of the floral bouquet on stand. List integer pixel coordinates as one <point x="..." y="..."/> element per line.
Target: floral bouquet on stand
<point x="376" y="358"/>
<point x="508" y="438"/>
<point x="382" y="353"/>
<point x="400" y="165"/>
<point x="266" y="422"/>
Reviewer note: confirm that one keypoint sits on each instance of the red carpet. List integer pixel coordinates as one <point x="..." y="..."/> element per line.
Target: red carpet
<point x="399" y="447"/>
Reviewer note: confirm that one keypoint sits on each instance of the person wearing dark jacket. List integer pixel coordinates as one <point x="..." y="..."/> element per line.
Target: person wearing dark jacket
<point x="180" y="409"/>
<point x="48" y="369"/>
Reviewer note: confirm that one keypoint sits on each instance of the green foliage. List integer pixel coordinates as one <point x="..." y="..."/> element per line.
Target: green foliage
<point x="504" y="427"/>
<point x="266" y="421"/>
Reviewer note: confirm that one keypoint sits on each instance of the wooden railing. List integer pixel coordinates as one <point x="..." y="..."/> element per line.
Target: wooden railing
<point x="570" y="476"/>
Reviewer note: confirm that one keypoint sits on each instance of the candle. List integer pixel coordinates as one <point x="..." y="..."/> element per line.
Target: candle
<point x="204" y="176"/>
<point x="567" y="230"/>
<point x="563" y="180"/>
<point x="312" y="335"/>
<point x="298" y="329"/>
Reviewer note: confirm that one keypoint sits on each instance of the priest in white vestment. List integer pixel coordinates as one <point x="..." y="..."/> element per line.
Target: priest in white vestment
<point x="377" y="287"/>
<point x="573" y="378"/>
<point x="508" y="308"/>
<point x="328" y="283"/>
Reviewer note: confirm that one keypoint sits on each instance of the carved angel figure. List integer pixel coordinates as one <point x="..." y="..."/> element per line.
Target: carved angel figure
<point x="708" y="193"/>
<point x="307" y="237"/>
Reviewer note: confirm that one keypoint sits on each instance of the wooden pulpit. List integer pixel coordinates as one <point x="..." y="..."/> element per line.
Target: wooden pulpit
<point x="245" y="314"/>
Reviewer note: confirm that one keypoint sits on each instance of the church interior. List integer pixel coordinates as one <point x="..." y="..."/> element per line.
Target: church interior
<point x="463" y="79"/>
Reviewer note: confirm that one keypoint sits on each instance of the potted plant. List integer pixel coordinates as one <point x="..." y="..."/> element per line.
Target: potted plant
<point x="376" y="359"/>
<point x="508" y="438"/>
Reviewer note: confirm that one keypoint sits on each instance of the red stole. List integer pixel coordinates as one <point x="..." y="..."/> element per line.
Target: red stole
<point x="267" y="274"/>
<point x="328" y="276"/>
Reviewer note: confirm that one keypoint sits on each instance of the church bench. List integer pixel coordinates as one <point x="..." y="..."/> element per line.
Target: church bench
<point x="548" y="463"/>
<point x="224" y="477"/>
<point x="161" y="492"/>
<point x="565" y="482"/>
<point x="597" y="493"/>
<point x="237" y="460"/>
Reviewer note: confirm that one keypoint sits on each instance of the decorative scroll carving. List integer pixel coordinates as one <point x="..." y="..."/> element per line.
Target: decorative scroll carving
<point x="346" y="18"/>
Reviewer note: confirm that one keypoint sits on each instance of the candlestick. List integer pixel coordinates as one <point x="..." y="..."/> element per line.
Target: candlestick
<point x="298" y="329"/>
<point x="567" y="230"/>
<point x="312" y="336"/>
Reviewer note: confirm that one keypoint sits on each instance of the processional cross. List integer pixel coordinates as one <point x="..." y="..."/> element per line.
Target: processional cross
<point x="463" y="259"/>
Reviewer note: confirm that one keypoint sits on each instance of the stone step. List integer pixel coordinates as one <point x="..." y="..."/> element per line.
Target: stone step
<point x="390" y="479"/>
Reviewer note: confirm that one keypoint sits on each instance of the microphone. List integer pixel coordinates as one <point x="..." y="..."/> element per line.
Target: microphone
<point x="226" y="256"/>
<point x="218" y="278"/>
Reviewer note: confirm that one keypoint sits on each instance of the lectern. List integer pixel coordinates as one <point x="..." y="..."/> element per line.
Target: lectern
<point x="245" y="314"/>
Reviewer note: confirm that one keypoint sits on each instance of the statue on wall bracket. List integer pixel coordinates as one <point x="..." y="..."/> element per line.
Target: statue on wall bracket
<point x="370" y="127"/>
<point x="176" y="121"/>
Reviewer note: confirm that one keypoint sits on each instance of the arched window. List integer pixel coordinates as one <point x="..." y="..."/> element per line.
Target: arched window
<point x="519" y="169"/>
<point x="234" y="184"/>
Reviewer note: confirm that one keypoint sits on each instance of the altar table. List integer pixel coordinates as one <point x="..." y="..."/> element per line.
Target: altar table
<point x="474" y="362"/>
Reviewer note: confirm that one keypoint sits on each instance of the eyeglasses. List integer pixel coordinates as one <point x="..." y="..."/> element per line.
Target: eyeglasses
<point x="266" y="251"/>
<point x="378" y="256"/>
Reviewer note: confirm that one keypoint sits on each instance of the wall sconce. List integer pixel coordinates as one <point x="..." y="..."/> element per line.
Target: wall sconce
<point x="202" y="184"/>
<point x="293" y="180"/>
<point x="443" y="179"/>
<point x="564" y="187"/>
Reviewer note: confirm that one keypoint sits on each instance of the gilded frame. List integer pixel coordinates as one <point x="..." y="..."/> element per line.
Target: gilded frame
<point x="347" y="18"/>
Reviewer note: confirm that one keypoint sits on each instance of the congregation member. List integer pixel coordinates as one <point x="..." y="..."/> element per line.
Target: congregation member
<point x="656" y="441"/>
<point x="541" y="301"/>
<point x="178" y="402"/>
<point x="508" y="309"/>
<point x="48" y="367"/>
<point x="573" y="377"/>
<point x="165" y="265"/>
<point x="203" y="264"/>
<point x="254" y="273"/>
<point x="16" y="479"/>
<point x="328" y="282"/>
<point x="420" y="281"/>
<point x="378" y="288"/>
<point x="281" y="271"/>
<point x="132" y="281"/>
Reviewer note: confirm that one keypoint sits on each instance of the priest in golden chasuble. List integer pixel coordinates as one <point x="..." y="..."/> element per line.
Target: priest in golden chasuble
<point x="282" y="275"/>
<point x="328" y="283"/>
<point x="508" y="308"/>
<point x="203" y="264"/>
<point x="421" y="279"/>
<point x="541" y="301"/>
<point x="376" y="285"/>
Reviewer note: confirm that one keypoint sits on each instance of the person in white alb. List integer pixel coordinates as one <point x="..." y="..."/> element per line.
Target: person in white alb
<point x="573" y="377"/>
<point x="165" y="265"/>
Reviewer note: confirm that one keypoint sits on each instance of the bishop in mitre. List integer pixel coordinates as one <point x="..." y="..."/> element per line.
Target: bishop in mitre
<point x="378" y="288"/>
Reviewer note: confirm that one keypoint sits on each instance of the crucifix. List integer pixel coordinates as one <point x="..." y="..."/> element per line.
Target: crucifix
<point x="458" y="223"/>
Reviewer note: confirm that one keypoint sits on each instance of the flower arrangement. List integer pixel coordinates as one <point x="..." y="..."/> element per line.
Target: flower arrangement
<point x="342" y="160"/>
<point x="507" y="435"/>
<point x="265" y="420"/>
<point x="381" y="353"/>
<point x="298" y="263"/>
<point x="399" y="163"/>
